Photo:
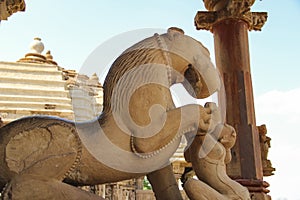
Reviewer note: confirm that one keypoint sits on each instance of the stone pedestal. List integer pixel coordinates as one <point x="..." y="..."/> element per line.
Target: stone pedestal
<point x="230" y="21"/>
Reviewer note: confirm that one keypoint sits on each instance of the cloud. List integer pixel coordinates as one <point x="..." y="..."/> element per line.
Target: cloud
<point x="279" y="102"/>
<point x="280" y="111"/>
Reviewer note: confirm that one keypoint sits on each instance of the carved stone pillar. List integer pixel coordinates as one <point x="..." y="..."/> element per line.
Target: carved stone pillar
<point x="229" y="21"/>
<point x="178" y="169"/>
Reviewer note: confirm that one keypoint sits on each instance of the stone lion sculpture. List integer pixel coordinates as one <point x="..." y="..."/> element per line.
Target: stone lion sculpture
<point x="137" y="133"/>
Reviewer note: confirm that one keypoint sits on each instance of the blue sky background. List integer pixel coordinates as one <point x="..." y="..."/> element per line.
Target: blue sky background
<point x="73" y="29"/>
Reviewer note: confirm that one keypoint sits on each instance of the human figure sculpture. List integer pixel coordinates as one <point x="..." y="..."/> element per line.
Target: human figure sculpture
<point x="209" y="155"/>
<point x="138" y="131"/>
<point x="265" y="144"/>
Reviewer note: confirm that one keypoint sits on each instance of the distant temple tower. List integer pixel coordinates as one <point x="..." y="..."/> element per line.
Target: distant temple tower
<point x="36" y="85"/>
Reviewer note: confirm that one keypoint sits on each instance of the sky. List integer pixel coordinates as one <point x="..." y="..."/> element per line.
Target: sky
<point x="72" y="30"/>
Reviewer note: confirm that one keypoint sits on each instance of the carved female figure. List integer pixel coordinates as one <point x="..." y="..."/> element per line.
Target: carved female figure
<point x="209" y="154"/>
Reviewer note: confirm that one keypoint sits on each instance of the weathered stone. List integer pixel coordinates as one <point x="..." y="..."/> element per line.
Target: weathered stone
<point x="29" y="89"/>
<point x="209" y="155"/>
<point x="229" y="21"/>
<point x="9" y="7"/>
<point x="265" y="144"/>
<point x="155" y="64"/>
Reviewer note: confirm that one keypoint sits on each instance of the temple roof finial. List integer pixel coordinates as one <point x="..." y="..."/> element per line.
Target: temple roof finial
<point x="49" y="58"/>
<point x="36" y="46"/>
<point x="35" y="53"/>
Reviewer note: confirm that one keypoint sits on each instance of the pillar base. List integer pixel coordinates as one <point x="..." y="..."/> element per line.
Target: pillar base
<point x="260" y="196"/>
<point x="257" y="188"/>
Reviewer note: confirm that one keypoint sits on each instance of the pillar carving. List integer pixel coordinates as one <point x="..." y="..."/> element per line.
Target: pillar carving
<point x="265" y="144"/>
<point x="8" y="7"/>
<point x="234" y="9"/>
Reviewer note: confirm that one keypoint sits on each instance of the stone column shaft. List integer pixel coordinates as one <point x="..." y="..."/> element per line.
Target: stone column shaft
<point x="232" y="60"/>
<point x="229" y="21"/>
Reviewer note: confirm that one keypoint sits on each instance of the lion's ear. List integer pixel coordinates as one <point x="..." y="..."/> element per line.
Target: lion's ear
<point x="174" y="32"/>
<point x="177" y="30"/>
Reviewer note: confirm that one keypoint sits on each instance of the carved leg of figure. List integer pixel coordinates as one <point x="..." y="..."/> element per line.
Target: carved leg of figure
<point x="197" y="190"/>
<point x="164" y="184"/>
<point x="29" y="187"/>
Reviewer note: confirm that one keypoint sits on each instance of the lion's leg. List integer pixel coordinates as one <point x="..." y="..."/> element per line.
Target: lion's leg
<point x="179" y="121"/>
<point x="164" y="184"/>
<point x="28" y="187"/>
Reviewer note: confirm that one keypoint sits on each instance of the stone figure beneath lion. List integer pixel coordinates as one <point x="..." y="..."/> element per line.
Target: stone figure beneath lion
<point x="136" y="134"/>
<point x="209" y="155"/>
